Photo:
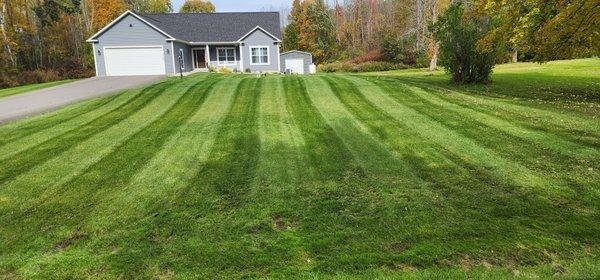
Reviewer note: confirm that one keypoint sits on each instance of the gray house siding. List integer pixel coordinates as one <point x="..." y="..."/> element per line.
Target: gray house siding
<point x="297" y="55"/>
<point x="259" y="38"/>
<point x="214" y="60"/>
<point x="187" y="56"/>
<point x="138" y="34"/>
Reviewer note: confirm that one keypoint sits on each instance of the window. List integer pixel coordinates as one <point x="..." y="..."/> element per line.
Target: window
<point x="226" y="55"/>
<point x="260" y="55"/>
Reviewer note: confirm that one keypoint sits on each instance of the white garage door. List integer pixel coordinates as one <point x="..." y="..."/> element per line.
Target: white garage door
<point x="134" y="61"/>
<point x="295" y="65"/>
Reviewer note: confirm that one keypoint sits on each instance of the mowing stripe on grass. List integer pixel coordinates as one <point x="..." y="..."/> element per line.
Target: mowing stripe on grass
<point x="462" y="206"/>
<point x="280" y="138"/>
<point x="200" y="213"/>
<point x="365" y="148"/>
<point x="173" y="167"/>
<point x="354" y="201"/>
<point x="529" y="147"/>
<point x="23" y="129"/>
<point x="392" y="133"/>
<point x="280" y="174"/>
<point x="570" y="126"/>
<point x="91" y="187"/>
<point x="512" y="110"/>
<point x="459" y="145"/>
<point x="234" y="158"/>
<point x="328" y="156"/>
<point x="42" y="136"/>
<point x="52" y="174"/>
<point x="548" y="140"/>
<point x="27" y="159"/>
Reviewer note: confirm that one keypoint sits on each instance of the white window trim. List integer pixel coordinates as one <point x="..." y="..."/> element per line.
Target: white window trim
<point x="219" y="62"/>
<point x="268" y="55"/>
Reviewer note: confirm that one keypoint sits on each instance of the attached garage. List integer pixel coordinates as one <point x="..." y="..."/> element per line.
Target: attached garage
<point x="296" y="62"/>
<point x="133" y="61"/>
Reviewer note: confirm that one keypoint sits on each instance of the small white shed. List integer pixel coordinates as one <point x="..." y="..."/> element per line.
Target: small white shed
<point x="297" y="62"/>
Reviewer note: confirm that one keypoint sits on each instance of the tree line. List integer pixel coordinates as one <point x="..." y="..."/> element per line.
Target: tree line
<point x="44" y="40"/>
<point x="467" y="36"/>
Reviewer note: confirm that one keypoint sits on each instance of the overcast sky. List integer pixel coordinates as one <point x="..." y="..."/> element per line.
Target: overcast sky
<point x="242" y="5"/>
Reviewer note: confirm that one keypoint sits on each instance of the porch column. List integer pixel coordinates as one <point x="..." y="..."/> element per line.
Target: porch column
<point x="241" y="58"/>
<point x="207" y="56"/>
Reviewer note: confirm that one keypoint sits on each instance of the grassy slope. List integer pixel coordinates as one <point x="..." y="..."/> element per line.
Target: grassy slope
<point x="27" y="88"/>
<point x="343" y="176"/>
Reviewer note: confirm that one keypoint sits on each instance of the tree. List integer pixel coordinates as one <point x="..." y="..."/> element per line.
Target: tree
<point x="103" y="12"/>
<point x="150" y="6"/>
<point x="436" y="7"/>
<point x="322" y="31"/>
<point x="291" y="33"/>
<point x="547" y="29"/>
<point x="459" y="33"/>
<point x="311" y="29"/>
<point x="197" y="6"/>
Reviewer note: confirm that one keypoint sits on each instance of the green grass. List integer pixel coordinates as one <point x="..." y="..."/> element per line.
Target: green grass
<point x="27" y="88"/>
<point x="395" y="175"/>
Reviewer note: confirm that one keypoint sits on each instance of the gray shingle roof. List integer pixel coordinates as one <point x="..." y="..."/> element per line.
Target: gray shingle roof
<point x="214" y="27"/>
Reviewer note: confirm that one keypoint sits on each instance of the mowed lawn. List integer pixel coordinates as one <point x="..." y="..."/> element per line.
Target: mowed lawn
<point x="27" y="88"/>
<point x="383" y="175"/>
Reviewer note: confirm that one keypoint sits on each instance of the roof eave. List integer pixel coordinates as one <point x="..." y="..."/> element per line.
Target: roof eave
<point x="261" y="29"/>
<point x="215" y="43"/>
<point x="296" y="51"/>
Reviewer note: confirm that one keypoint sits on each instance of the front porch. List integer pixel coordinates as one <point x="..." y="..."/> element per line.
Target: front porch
<point x="217" y="56"/>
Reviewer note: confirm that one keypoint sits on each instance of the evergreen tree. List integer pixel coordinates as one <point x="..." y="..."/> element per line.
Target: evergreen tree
<point x="311" y="29"/>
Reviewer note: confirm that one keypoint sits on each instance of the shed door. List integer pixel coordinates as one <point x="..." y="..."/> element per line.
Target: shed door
<point x="295" y="65"/>
<point x="132" y="61"/>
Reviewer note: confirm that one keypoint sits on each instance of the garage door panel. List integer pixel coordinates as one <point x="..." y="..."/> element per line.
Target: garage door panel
<point x="134" y="61"/>
<point x="295" y="65"/>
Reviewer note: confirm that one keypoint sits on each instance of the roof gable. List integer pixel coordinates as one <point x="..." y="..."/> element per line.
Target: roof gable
<point x="122" y="16"/>
<point x="260" y="29"/>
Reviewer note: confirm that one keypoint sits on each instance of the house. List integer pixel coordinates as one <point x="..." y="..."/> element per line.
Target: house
<point x="162" y="44"/>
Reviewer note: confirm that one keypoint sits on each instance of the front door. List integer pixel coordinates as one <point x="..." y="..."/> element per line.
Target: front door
<point x="199" y="58"/>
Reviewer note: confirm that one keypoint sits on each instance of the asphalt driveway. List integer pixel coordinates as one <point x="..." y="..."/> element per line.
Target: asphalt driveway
<point x="40" y="101"/>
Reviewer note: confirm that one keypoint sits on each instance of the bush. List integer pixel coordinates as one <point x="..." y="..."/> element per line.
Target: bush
<point x="225" y="70"/>
<point x="370" y="66"/>
<point x="15" y="78"/>
<point x="373" y="55"/>
<point x="39" y="76"/>
<point x="458" y="36"/>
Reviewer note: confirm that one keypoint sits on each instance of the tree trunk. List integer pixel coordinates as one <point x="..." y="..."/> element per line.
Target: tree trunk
<point x="515" y="55"/>
<point x="436" y="45"/>
<point x="434" y="57"/>
<point x="5" y="36"/>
